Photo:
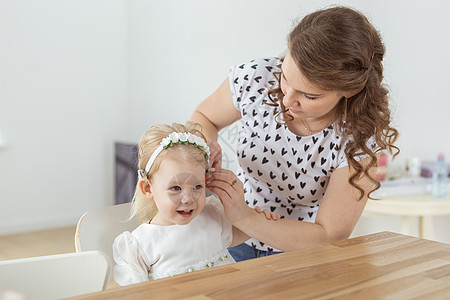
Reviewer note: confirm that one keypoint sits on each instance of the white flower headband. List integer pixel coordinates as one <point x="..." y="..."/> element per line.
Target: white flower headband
<point x="185" y="138"/>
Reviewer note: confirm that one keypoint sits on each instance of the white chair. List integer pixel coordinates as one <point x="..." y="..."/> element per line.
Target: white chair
<point x="97" y="229"/>
<point x="56" y="276"/>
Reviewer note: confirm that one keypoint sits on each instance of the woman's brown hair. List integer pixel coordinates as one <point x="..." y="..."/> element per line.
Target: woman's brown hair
<point x="338" y="49"/>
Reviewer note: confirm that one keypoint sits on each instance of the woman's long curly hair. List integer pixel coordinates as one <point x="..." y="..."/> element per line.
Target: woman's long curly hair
<point x="338" y="49"/>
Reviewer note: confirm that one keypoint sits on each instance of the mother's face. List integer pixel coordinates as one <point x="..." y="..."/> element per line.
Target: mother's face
<point x="301" y="97"/>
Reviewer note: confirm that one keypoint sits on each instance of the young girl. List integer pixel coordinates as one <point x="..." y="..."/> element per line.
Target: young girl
<point x="182" y="230"/>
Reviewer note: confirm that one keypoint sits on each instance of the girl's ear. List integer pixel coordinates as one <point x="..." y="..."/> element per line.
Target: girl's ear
<point x="145" y="187"/>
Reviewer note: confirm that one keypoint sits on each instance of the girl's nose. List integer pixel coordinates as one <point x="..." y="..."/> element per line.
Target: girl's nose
<point x="187" y="198"/>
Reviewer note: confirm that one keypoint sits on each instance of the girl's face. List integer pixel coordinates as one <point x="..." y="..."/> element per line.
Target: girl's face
<point x="302" y="98"/>
<point x="178" y="189"/>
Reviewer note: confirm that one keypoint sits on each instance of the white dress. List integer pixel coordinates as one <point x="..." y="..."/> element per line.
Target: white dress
<point x="154" y="251"/>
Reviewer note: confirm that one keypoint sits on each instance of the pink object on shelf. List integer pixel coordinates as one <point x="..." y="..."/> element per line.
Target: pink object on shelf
<point x="382" y="166"/>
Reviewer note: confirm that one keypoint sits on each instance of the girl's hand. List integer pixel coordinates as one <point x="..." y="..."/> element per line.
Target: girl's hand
<point x="269" y="215"/>
<point x="215" y="159"/>
<point x="230" y="190"/>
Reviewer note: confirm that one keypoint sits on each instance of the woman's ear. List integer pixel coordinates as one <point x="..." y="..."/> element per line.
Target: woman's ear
<point x="352" y="93"/>
<point x="145" y="187"/>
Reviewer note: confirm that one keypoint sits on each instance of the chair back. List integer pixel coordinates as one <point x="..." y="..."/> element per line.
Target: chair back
<point x="56" y="276"/>
<point x="97" y="229"/>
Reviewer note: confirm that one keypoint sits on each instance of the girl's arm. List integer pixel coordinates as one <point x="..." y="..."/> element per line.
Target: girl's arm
<point x="130" y="265"/>
<point x="337" y="216"/>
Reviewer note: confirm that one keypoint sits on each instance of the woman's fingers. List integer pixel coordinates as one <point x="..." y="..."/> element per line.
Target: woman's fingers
<point x="225" y="184"/>
<point x="215" y="160"/>
<point x="230" y="190"/>
<point x="267" y="213"/>
<point x="270" y="215"/>
<point x="226" y="176"/>
<point x="220" y="188"/>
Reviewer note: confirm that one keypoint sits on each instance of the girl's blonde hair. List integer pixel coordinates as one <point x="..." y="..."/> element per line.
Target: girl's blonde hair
<point x="142" y="207"/>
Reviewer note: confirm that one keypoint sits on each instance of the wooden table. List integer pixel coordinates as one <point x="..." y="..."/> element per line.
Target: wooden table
<point x="411" y="207"/>
<point x="381" y="265"/>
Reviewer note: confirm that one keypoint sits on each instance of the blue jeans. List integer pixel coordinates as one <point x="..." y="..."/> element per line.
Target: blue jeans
<point x="243" y="252"/>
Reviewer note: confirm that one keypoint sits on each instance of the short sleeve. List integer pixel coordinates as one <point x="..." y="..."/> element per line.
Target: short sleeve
<point x="343" y="162"/>
<point x="130" y="266"/>
<point x="227" y="229"/>
<point x="249" y="82"/>
<point x="234" y="80"/>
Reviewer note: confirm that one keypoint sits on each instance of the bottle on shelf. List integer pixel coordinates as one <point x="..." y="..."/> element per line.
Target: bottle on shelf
<point x="440" y="177"/>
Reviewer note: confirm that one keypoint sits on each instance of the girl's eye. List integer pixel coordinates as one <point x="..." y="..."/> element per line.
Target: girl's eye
<point x="175" y="188"/>
<point x="198" y="187"/>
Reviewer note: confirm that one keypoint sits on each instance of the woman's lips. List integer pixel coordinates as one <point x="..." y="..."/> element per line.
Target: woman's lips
<point x="293" y="111"/>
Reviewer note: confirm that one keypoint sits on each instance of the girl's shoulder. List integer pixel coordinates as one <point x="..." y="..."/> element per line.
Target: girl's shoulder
<point x="213" y="209"/>
<point x="213" y="203"/>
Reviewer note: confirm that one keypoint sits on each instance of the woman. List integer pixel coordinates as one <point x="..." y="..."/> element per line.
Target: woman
<point x="313" y="124"/>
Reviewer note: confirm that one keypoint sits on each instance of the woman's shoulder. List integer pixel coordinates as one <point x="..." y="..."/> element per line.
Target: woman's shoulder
<point x="249" y="82"/>
<point x="267" y="63"/>
<point x="255" y="70"/>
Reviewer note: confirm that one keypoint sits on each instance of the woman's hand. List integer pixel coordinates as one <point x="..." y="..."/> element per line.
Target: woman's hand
<point x="215" y="159"/>
<point x="230" y="190"/>
<point x="269" y="215"/>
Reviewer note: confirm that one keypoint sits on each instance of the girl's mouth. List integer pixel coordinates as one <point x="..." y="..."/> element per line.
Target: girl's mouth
<point x="185" y="213"/>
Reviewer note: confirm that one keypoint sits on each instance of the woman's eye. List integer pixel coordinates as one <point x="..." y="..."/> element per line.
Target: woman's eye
<point x="310" y="98"/>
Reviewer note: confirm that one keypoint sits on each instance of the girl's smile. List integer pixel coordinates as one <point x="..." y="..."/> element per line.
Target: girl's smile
<point x="185" y="213"/>
<point x="178" y="189"/>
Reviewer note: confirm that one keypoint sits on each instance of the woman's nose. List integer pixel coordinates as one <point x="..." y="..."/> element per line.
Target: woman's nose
<point x="288" y="100"/>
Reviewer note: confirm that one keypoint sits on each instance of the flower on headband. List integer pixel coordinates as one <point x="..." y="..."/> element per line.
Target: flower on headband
<point x="201" y="143"/>
<point x="167" y="142"/>
<point x="191" y="138"/>
<point x="183" y="137"/>
<point x="174" y="137"/>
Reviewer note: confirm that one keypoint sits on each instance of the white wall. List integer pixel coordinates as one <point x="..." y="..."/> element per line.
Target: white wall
<point x="63" y="85"/>
<point x="181" y="51"/>
<point x="77" y="75"/>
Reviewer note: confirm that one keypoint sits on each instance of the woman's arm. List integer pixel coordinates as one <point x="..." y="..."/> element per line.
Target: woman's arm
<point x="239" y="236"/>
<point x="337" y="216"/>
<point x="216" y="112"/>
